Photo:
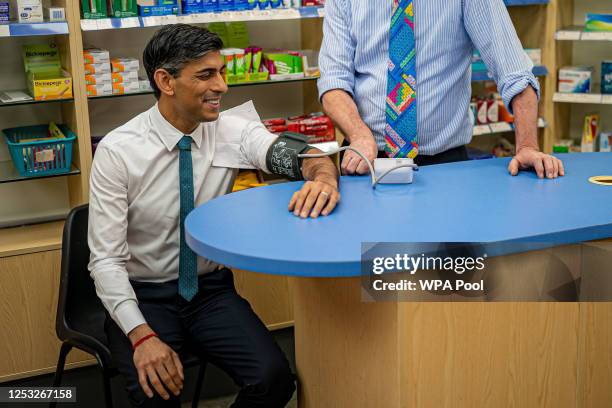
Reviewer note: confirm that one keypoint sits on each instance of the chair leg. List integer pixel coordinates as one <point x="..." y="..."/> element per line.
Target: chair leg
<point x="198" y="386"/>
<point x="59" y="370"/>
<point x="108" y="396"/>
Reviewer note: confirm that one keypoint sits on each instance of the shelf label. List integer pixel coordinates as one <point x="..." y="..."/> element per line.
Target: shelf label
<point x="150" y="21"/>
<point x="596" y="36"/>
<point x="607" y="99"/>
<point x="321" y="12"/>
<point x="500" y="127"/>
<point x="130" y="22"/>
<point x="568" y="35"/>
<point x="104" y="24"/>
<point x="481" y="130"/>
<point x="169" y="19"/>
<point x="4" y="31"/>
<point x="88" y="25"/>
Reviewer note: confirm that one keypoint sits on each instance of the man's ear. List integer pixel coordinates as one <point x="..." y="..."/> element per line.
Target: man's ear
<point x="164" y="81"/>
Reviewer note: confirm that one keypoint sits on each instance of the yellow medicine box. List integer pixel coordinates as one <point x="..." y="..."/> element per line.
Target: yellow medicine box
<point x="46" y="86"/>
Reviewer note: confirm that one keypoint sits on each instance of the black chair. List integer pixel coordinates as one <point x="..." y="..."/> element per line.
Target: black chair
<point x="80" y="314"/>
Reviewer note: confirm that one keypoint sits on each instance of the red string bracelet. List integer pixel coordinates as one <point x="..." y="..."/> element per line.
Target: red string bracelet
<point x="143" y="339"/>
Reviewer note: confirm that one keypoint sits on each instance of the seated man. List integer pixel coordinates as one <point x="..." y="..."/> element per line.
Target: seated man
<point x="146" y="177"/>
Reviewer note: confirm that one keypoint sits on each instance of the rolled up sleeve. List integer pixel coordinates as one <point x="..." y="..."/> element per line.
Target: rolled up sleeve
<point x="337" y="56"/>
<point x="107" y="231"/>
<point x="491" y="30"/>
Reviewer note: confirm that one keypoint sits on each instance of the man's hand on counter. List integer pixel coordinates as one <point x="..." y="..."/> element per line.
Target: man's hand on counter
<point x="352" y="163"/>
<point x="318" y="197"/>
<point x="544" y="165"/>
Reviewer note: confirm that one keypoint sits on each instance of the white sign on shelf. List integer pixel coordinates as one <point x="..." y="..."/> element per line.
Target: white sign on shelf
<point x="607" y="99"/>
<point x="88" y="25"/>
<point x="568" y="35"/>
<point x="130" y="22"/>
<point x="151" y="21"/>
<point x="4" y="31"/>
<point x="104" y="24"/>
<point x="481" y="130"/>
<point x="500" y="127"/>
<point x="169" y="19"/>
<point x="596" y="36"/>
<point x="321" y="12"/>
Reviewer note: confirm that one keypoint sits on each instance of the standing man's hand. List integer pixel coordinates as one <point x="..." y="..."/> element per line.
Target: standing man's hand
<point x="157" y="364"/>
<point x="352" y="163"/>
<point x="545" y="165"/>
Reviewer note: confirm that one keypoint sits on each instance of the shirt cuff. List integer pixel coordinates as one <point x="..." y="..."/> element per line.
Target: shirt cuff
<point x="517" y="83"/>
<point x="326" y="84"/>
<point x="128" y="316"/>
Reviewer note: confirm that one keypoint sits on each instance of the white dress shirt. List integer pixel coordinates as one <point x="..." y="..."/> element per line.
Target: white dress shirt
<point x="134" y="197"/>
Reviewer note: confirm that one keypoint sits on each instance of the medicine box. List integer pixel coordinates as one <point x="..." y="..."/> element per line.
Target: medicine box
<point x="94" y="9"/>
<point x="99" y="79"/>
<point x="100" y="89"/>
<point x="575" y="79"/>
<point x="157" y="7"/>
<point x="96" y="56"/>
<point x="606" y="77"/>
<point x="125" y="64"/>
<point x="124" y="77"/>
<point x="127" y="87"/>
<point x="29" y="11"/>
<point x="123" y="8"/>
<point x="94" y="69"/>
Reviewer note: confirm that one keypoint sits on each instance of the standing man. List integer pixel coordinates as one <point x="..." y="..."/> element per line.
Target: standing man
<point x="146" y="177"/>
<point x="396" y="79"/>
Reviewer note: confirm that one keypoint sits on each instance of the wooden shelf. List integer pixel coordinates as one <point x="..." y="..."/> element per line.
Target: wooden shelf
<point x="31" y="238"/>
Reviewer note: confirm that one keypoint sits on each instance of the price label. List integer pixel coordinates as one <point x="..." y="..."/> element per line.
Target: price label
<point x="568" y="35"/>
<point x="170" y="19"/>
<point x="4" y="31"/>
<point x="321" y="12"/>
<point x="481" y="130"/>
<point x="500" y="127"/>
<point x="596" y="36"/>
<point x="104" y="24"/>
<point x="150" y="21"/>
<point x="130" y="22"/>
<point x="607" y="99"/>
<point x="88" y="25"/>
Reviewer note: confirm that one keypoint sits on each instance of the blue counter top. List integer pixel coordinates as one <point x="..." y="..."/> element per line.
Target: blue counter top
<point x="474" y="201"/>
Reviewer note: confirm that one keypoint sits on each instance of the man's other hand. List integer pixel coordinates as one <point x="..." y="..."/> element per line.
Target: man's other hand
<point x="352" y="163"/>
<point x="544" y="165"/>
<point x="315" y="198"/>
<point x="157" y="364"/>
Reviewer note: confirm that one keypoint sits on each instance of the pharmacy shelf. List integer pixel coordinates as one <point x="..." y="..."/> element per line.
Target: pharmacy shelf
<point x="260" y="83"/>
<point x="13" y="29"/>
<point x="202" y="18"/>
<point x="479" y="76"/>
<point x="32" y="101"/>
<point x="9" y="174"/>
<point x="513" y="3"/>
<point x="595" y="99"/>
<point x="501" y="127"/>
<point x="577" y="33"/>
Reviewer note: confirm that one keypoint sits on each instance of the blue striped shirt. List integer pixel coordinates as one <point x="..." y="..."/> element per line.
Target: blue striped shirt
<point x="354" y="57"/>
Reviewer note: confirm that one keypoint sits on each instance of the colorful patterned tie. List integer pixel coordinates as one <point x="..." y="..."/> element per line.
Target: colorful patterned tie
<point x="401" y="106"/>
<point x="188" y="262"/>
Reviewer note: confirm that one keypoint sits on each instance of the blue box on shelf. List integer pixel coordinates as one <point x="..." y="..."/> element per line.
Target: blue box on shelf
<point x="161" y="8"/>
<point x="44" y="157"/>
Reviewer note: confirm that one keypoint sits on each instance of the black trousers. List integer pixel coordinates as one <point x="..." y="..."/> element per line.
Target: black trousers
<point x="449" y="156"/>
<point x="219" y="325"/>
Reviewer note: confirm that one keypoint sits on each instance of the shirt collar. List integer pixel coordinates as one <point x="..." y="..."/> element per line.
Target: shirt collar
<point x="170" y="135"/>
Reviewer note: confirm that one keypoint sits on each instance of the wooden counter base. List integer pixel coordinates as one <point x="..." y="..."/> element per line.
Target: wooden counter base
<point x="351" y="353"/>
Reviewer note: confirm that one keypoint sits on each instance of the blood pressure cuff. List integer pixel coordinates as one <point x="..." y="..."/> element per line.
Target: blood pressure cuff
<point x="282" y="157"/>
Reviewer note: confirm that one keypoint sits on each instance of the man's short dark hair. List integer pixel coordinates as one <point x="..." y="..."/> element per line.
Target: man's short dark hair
<point x="175" y="45"/>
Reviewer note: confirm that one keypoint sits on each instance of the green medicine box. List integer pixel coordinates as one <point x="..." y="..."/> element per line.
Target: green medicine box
<point x="94" y="9"/>
<point x="123" y="8"/>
